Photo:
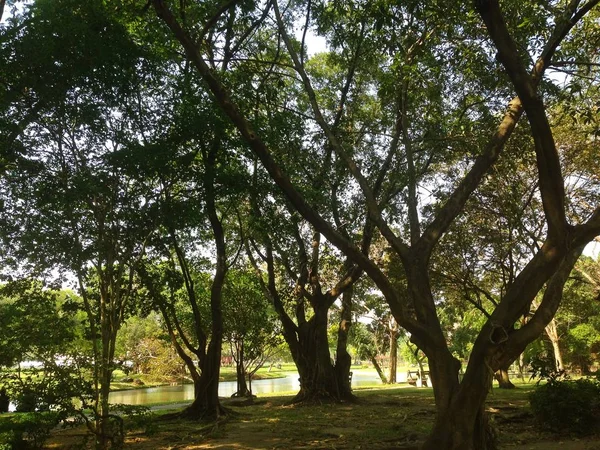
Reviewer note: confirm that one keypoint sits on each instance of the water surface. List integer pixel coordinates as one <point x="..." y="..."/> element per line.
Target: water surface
<point x="181" y="393"/>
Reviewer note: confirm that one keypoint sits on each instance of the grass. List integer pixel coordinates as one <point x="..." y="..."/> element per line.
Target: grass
<point x="394" y="416"/>
<point x="147" y="381"/>
<point x="385" y="417"/>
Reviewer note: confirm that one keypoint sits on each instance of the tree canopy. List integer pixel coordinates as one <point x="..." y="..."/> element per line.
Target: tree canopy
<point x="439" y="158"/>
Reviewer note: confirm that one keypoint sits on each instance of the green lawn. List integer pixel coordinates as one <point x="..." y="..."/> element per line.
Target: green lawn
<point x="384" y="417"/>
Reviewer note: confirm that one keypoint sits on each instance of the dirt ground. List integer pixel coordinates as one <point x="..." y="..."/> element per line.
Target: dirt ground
<point x="393" y="419"/>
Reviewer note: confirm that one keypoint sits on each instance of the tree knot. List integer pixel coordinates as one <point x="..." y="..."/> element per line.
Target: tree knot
<point x="498" y="335"/>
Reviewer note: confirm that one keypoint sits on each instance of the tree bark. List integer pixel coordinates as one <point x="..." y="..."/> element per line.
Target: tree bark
<point x="343" y="360"/>
<point x="393" y="352"/>
<point x="461" y="422"/>
<point x="206" y="404"/>
<point x="503" y="379"/>
<point x="318" y="378"/>
<point x="552" y="333"/>
<point x="240" y="371"/>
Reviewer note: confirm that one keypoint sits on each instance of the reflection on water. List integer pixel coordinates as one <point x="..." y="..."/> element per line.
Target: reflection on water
<point x="226" y="388"/>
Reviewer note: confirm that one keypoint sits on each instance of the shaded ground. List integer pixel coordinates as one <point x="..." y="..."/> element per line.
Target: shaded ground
<point x="397" y="418"/>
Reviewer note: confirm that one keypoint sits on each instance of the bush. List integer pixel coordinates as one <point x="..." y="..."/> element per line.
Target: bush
<point x="26" y="430"/>
<point x="124" y="418"/>
<point x="567" y="406"/>
<point x="138" y="417"/>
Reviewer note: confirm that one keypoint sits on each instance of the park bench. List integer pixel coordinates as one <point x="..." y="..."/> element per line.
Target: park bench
<point x="418" y="378"/>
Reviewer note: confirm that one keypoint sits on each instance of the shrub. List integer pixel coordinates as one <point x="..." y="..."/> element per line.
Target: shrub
<point x="567" y="406"/>
<point x="26" y="430"/>
<point x="138" y="417"/>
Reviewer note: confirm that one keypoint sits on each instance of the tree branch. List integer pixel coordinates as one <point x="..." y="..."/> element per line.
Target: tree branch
<point x="489" y="156"/>
<point x="519" y="339"/>
<point x="332" y="139"/>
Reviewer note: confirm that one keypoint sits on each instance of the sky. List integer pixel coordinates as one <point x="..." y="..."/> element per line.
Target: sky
<point x="592" y="250"/>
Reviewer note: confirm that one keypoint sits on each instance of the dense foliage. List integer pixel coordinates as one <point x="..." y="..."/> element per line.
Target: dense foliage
<point x="434" y="169"/>
<point x="567" y="406"/>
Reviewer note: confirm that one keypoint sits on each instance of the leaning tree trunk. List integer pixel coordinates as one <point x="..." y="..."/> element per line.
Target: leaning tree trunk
<point x="373" y="359"/>
<point x="552" y="333"/>
<point x="503" y="378"/>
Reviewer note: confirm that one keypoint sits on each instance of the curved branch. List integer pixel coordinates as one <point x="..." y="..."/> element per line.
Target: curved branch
<point x="519" y="339"/>
<point x="488" y="157"/>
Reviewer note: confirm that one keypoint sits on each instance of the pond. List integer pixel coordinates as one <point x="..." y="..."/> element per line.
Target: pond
<point x="182" y="393"/>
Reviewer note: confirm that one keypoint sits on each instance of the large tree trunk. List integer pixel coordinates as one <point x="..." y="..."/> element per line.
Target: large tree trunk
<point x="459" y="431"/>
<point x="206" y="404"/>
<point x="461" y="422"/>
<point x="318" y="380"/>
<point x="343" y="359"/>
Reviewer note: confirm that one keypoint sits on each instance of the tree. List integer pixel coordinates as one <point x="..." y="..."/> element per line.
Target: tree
<point x="299" y="254"/>
<point x="304" y="285"/>
<point x="416" y="45"/>
<point x="197" y="178"/>
<point x="36" y="325"/>
<point x="576" y="325"/>
<point x="67" y="205"/>
<point x="190" y="304"/>
<point x="365" y="343"/>
<point x="143" y="343"/>
<point x="249" y="326"/>
<point x="385" y="333"/>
